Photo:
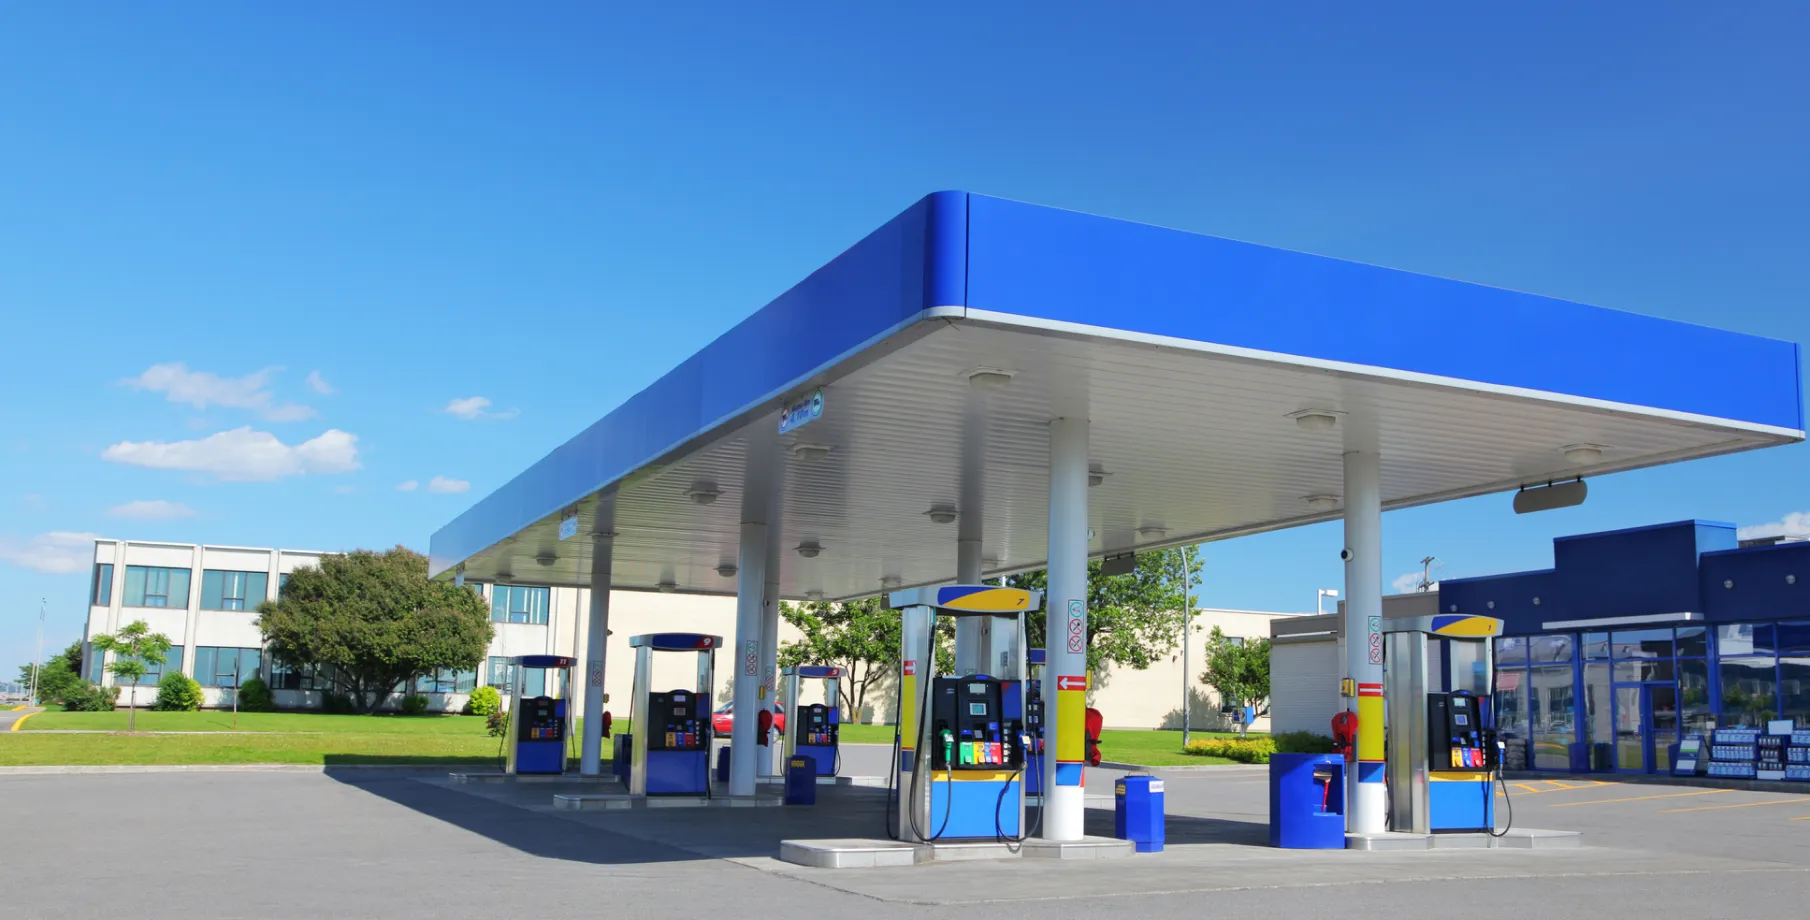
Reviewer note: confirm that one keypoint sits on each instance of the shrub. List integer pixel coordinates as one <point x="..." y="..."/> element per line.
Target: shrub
<point x="87" y="697"/>
<point x="414" y="704"/>
<point x="255" y="695"/>
<point x="1248" y="750"/>
<point x="483" y="701"/>
<point x="1302" y="743"/>
<point x="337" y="703"/>
<point x="497" y="723"/>
<point x="177" y="692"/>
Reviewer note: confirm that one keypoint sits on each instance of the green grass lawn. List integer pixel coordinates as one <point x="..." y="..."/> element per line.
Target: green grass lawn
<point x="212" y="720"/>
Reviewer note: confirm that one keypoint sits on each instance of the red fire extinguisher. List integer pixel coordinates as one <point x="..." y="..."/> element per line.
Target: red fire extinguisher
<point x="1344" y="735"/>
<point x="764" y="722"/>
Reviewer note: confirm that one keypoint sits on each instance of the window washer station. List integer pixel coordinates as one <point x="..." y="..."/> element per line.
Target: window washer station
<point x="960" y="741"/>
<point x="539" y="725"/>
<point x="813" y="730"/>
<point x="1444" y="759"/>
<point x="669" y="747"/>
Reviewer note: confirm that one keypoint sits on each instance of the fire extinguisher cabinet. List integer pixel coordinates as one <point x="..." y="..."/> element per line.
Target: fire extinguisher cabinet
<point x="1307" y="801"/>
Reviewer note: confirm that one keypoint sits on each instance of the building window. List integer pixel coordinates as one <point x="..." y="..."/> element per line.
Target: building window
<point x="96" y="664"/>
<point x="285" y="676"/>
<point x="1641" y="643"/>
<point x="151" y="586"/>
<point x="1794" y="691"/>
<point x="172" y="664"/>
<point x="282" y="582"/>
<point x="1596" y="646"/>
<point x="447" y="680"/>
<point x="1549" y="649"/>
<point x="519" y="604"/>
<point x="1235" y="641"/>
<point x="500" y="673"/>
<point x="1511" y="650"/>
<point x="1750" y="692"/>
<point x="221" y="590"/>
<point x="226" y="667"/>
<point x="1551" y="716"/>
<point x="101" y="593"/>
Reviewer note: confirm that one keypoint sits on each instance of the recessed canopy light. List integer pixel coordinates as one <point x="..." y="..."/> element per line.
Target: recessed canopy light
<point x="989" y="378"/>
<point x="813" y="596"/>
<point x="810" y="452"/>
<point x="727" y="570"/>
<point x="546" y="559"/>
<point x="703" y="492"/>
<point x="989" y="562"/>
<point x="941" y="514"/>
<point x="1316" y="419"/>
<point x="667" y="587"/>
<point x="1096" y="474"/>
<point x="1153" y="531"/>
<point x="890" y="581"/>
<point x="1322" y="502"/>
<point x="809" y="549"/>
<point x="1583" y="453"/>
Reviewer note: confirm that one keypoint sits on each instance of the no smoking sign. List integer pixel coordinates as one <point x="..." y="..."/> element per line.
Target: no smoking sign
<point x="1077" y="627"/>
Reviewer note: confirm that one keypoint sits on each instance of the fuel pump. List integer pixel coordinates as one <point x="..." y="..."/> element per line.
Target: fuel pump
<point x="538" y="725"/>
<point x="1033" y="723"/>
<point x="961" y="742"/>
<point x="670" y="730"/>
<point x="814" y="729"/>
<point x="1444" y="760"/>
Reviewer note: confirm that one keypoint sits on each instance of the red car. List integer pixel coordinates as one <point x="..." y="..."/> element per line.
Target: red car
<point x="722" y="722"/>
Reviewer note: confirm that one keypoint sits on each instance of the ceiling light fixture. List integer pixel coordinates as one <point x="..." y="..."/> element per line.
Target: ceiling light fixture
<point x="941" y="514"/>
<point x="667" y="587"/>
<point x="1153" y="531"/>
<point x="809" y="549"/>
<point x="813" y="596"/>
<point x="890" y="581"/>
<point x="727" y="570"/>
<point x="810" y="452"/>
<point x="546" y="559"/>
<point x="1096" y="474"/>
<point x="1321" y="502"/>
<point x="1583" y="453"/>
<point x="1316" y="419"/>
<point x="703" y="493"/>
<point x="989" y="378"/>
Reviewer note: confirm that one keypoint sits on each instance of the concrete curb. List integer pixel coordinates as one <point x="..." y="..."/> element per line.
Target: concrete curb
<point x="55" y="770"/>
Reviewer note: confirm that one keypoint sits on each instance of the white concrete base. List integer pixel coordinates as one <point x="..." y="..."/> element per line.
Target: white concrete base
<point x="847" y="853"/>
<point x="1520" y="838"/>
<point x="1085" y="848"/>
<point x="623" y="800"/>
<point x="961" y="852"/>
<point x="871" y="782"/>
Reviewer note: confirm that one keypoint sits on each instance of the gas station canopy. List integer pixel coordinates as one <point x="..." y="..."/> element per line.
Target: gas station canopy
<point x="1223" y="382"/>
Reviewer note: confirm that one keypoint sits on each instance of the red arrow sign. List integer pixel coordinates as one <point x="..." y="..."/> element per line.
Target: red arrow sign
<point x="1071" y="683"/>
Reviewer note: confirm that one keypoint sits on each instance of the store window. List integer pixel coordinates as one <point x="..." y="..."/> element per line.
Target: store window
<point x="1794" y="690"/>
<point x="1736" y="639"/>
<point x="1696" y="709"/>
<point x="1511" y="651"/>
<point x="1550" y="649"/>
<point x="1596" y="645"/>
<point x="1641" y="643"/>
<point x="1693" y="642"/>
<point x="1750" y="691"/>
<point x="519" y="604"/>
<point x="1793" y="638"/>
<point x="1599" y="715"/>
<point x="1645" y="669"/>
<point x="1552" y="716"/>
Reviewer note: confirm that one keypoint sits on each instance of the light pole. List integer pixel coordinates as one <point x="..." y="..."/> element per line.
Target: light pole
<point x="1320" y="597"/>
<point x="1187" y="654"/>
<point x="37" y="658"/>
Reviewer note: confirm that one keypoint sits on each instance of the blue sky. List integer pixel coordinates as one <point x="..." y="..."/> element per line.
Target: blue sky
<point x="259" y="266"/>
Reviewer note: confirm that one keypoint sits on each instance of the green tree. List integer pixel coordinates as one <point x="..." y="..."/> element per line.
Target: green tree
<point x="861" y="637"/>
<point x="59" y="676"/>
<point x="133" y="648"/>
<point x="1132" y="619"/>
<point x="1240" y="672"/>
<point x="377" y="620"/>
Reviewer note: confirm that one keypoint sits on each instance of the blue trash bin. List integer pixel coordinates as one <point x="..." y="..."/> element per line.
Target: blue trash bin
<point x="801" y="780"/>
<point x="1307" y="801"/>
<point x="1137" y="812"/>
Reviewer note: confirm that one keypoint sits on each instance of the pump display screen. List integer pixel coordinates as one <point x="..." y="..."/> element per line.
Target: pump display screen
<point x="977" y="688"/>
<point x="1460" y="718"/>
<point x="977" y="709"/>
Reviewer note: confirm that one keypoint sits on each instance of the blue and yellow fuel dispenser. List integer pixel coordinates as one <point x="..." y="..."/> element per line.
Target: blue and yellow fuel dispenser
<point x="1444" y="760"/>
<point x="961" y="742"/>
<point x="814" y="730"/>
<point x="669" y="749"/>
<point x="539" y="724"/>
<point x="1033" y="725"/>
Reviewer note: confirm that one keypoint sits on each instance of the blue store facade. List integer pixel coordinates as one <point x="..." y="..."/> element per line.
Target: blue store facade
<point x="1637" y="637"/>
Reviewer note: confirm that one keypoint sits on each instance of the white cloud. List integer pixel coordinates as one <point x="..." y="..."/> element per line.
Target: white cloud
<point x="1795" y="524"/>
<point x="202" y="389"/>
<point x="59" y="552"/>
<point x="243" y="455"/>
<point x="408" y="485"/>
<point x="447" y="486"/>
<point x="472" y="408"/>
<point x="152" y="510"/>
<point x="319" y="384"/>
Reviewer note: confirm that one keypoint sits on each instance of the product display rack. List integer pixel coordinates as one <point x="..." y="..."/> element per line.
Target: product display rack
<point x="1732" y="752"/>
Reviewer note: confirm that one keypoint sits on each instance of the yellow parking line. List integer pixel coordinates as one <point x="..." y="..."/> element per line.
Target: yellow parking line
<point x="1804" y="818"/>
<point x="1643" y="798"/>
<point x="20" y="721"/>
<point x="1798" y="801"/>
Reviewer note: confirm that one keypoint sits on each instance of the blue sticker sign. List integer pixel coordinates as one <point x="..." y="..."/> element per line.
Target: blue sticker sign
<point x="802" y="412"/>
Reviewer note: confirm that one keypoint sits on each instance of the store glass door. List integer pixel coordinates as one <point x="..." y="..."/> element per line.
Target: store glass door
<point x="1646" y="727"/>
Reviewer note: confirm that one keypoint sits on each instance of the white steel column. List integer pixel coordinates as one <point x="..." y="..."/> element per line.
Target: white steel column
<point x="1065" y="669"/>
<point x="744" y="655"/>
<point x="603" y="551"/>
<point x="1367" y="800"/>
<point x="769" y="633"/>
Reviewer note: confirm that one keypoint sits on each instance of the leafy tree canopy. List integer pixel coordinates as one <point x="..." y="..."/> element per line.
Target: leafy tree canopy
<point x="59" y="675"/>
<point x="1132" y="619"/>
<point x="1241" y="673"/>
<point x="377" y="620"/>
<point x="134" y="648"/>
<point x="861" y="637"/>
